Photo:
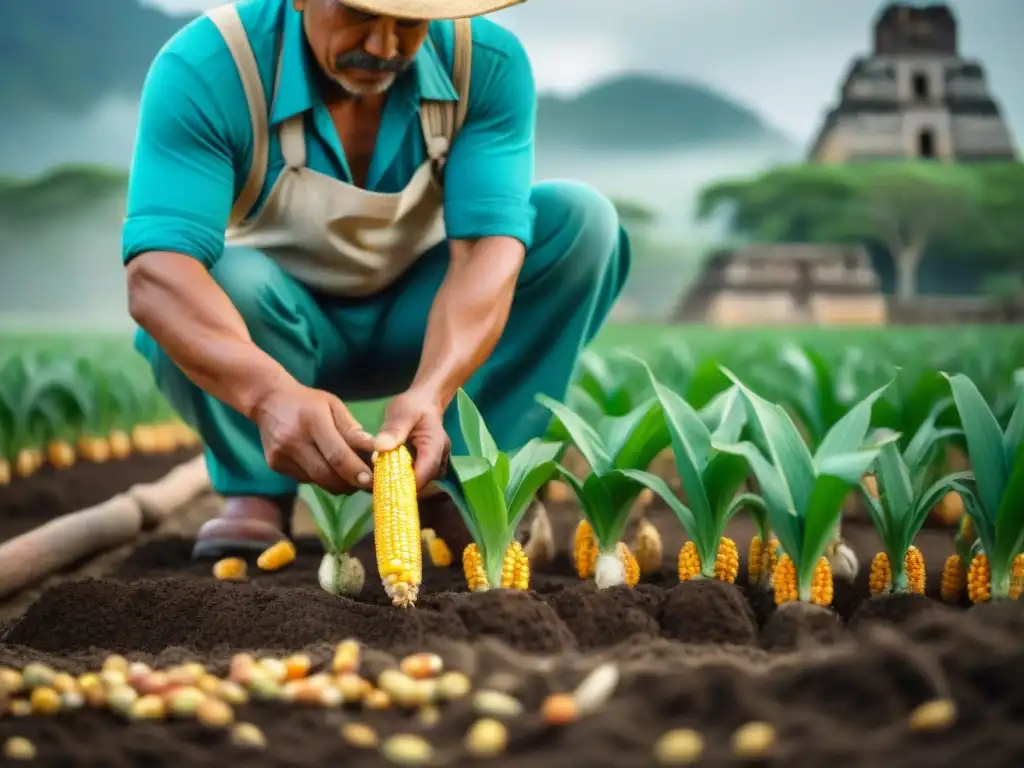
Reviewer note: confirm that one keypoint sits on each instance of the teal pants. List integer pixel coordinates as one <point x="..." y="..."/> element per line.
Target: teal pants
<point x="368" y="348"/>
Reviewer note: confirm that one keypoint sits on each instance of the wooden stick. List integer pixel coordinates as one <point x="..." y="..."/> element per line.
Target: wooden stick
<point x="180" y="486"/>
<point x="43" y="551"/>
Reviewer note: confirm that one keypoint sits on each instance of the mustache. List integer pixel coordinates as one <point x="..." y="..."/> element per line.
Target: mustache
<point x="367" y="61"/>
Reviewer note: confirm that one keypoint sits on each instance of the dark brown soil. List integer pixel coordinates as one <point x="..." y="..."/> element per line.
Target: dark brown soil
<point x="50" y="493"/>
<point x="690" y="655"/>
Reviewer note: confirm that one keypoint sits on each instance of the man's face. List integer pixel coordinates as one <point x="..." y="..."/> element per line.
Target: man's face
<point x="358" y="51"/>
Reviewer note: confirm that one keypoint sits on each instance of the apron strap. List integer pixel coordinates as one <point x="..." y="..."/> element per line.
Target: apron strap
<point x="441" y="120"/>
<point x="229" y="23"/>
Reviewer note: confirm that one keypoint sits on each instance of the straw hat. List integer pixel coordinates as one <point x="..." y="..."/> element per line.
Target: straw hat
<point x="431" y="9"/>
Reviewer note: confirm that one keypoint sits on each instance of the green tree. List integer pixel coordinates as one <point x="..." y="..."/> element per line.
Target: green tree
<point x="904" y="206"/>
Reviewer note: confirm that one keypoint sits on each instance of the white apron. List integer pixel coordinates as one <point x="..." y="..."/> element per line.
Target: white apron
<point x="330" y="235"/>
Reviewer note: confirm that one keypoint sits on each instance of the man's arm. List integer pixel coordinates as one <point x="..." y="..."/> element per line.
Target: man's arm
<point x="182" y="185"/>
<point x="489" y="218"/>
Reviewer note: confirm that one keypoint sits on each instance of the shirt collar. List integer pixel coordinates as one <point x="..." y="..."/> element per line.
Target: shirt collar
<point x="427" y="79"/>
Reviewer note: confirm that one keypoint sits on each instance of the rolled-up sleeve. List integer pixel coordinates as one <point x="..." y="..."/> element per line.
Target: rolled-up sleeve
<point x="182" y="180"/>
<point x="490" y="172"/>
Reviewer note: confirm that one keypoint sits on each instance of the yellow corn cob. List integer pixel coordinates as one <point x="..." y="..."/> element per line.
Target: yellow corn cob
<point x="120" y="444"/>
<point x="953" y="579"/>
<point x="515" y="570"/>
<point x="979" y="579"/>
<point x="440" y="554"/>
<point x="60" y="454"/>
<point x="629" y="563"/>
<point x="786" y="590"/>
<point x="1017" y="578"/>
<point x="913" y="564"/>
<point x="754" y="560"/>
<point x="396" y="526"/>
<point x="880" y="579"/>
<point x="584" y="550"/>
<point x="648" y="547"/>
<point x="727" y="563"/>
<point x="689" y="562"/>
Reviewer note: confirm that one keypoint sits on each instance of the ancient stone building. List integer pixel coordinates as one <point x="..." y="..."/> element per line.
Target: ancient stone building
<point x="914" y="96"/>
<point x="786" y="284"/>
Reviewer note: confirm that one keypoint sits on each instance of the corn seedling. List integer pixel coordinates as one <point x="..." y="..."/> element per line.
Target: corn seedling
<point x="493" y="492"/>
<point x="396" y="526"/>
<point x="341" y="522"/>
<point x="607" y="493"/>
<point x="802" y="492"/>
<point x="996" y="503"/>
<point x="712" y="480"/>
<point x="901" y="508"/>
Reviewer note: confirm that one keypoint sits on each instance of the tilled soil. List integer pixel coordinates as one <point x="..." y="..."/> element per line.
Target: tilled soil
<point x="837" y="686"/>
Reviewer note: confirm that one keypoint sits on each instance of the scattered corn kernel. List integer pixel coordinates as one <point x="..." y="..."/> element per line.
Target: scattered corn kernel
<point x="560" y="709"/>
<point x="18" y="748"/>
<point x="20" y="708"/>
<point x="185" y="701"/>
<point x="753" y="740"/>
<point x="496" y="704"/>
<point x="935" y="715"/>
<point x="680" y="746"/>
<point x="428" y="716"/>
<point x="63" y="683"/>
<point x="297" y="666"/>
<point x="359" y="735"/>
<point x="453" y="685"/>
<point x="248" y="735"/>
<point x="407" y="749"/>
<point x="486" y="738"/>
<point x="276" y="556"/>
<point x="37" y="676"/>
<point x="116" y="663"/>
<point x="352" y="687"/>
<point x="214" y="713"/>
<point x="72" y="700"/>
<point x="376" y="700"/>
<point x="346" y="657"/>
<point x="120" y="698"/>
<point x="45" y="701"/>
<point x="11" y="681"/>
<point x="422" y="665"/>
<point x="230" y="569"/>
<point x="150" y="707"/>
<point x="231" y="692"/>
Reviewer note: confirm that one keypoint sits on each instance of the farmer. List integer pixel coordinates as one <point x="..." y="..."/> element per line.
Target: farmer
<point x="333" y="200"/>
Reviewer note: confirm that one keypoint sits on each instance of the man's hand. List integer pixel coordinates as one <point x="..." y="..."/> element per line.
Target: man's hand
<point x="310" y="436"/>
<point x="415" y="419"/>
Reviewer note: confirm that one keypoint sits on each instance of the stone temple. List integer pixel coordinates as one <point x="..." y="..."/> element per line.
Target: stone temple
<point x="915" y="96"/>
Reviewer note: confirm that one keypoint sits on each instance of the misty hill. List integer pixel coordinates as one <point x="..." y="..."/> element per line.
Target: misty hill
<point x="65" y="60"/>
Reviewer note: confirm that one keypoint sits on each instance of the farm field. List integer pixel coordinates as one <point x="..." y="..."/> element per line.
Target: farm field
<point x="725" y="603"/>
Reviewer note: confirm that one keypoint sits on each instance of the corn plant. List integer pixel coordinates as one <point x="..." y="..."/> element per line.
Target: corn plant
<point x="493" y="492"/>
<point x="996" y="502"/>
<point x="712" y="479"/>
<point x="907" y="495"/>
<point x="341" y="522"/>
<point x="802" y="492"/>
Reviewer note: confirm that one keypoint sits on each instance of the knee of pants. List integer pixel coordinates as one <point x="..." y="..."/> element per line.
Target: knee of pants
<point x="250" y="279"/>
<point x="579" y="226"/>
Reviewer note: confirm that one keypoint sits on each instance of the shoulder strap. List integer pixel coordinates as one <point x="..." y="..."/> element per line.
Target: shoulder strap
<point x="461" y="67"/>
<point x="441" y="120"/>
<point x="229" y="23"/>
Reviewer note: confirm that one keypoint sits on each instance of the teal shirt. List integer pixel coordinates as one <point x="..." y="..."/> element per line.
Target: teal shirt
<point x="193" y="148"/>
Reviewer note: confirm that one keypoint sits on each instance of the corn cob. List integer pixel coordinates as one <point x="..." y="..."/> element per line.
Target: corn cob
<point x="625" y="556"/>
<point x="648" y="547"/>
<point x="584" y="550"/>
<point x="880" y="580"/>
<point x="515" y="570"/>
<point x="120" y="444"/>
<point x="786" y="588"/>
<point x="727" y="562"/>
<point x="754" y="552"/>
<point x="979" y="579"/>
<point x="60" y="454"/>
<point x="437" y="549"/>
<point x="1017" y="578"/>
<point x="761" y="560"/>
<point x="953" y="579"/>
<point x="396" y="526"/>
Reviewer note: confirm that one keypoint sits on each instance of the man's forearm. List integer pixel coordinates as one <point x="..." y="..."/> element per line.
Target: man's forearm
<point x="468" y="315"/>
<point x="175" y="299"/>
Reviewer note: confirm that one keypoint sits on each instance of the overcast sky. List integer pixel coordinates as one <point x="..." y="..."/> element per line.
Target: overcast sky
<point x="784" y="58"/>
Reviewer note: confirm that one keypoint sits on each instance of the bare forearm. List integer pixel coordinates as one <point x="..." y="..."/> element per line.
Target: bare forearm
<point x="468" y="315"/>
<point x="176" y="300"/>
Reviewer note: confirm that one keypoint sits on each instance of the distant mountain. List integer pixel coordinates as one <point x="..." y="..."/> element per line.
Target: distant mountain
<point x="71" y="72"/>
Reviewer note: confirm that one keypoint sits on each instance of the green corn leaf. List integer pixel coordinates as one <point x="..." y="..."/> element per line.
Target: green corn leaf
<point x="1009" y="524"/>
<point x="598" y="507"/>
<point x="983" y="526"/>
<point x="927" y="499"/>
<point x="850" y="467"/>
<point x="708" y="380"/>
<point x="356" y="519"/>
<point x="824" y="507"/>
<point x="662" y="489"/>
<point x="781" y="441"/>
<point x="984" y="442"/>
<point x="723" y="476"/>
<point x="486" y="499"/>
<point x="479" y="441"/>
<point x="754" y="505"/>
<point x="457" y="496"/>
<point x="502" y="470"/>
<point x="848" y="434"/>
<point x="1013" y="438"/>
<point x="324" y="509"/>
<point x="586" y="439"/>
<point x="531" y="467"/>
<point x="812" y="393"/>
<point x="878" y="516"/>
<point x="897" y="488"/>
<point x="726" y="416"/>
<point x="635" y="439"/>
<point x="691" y="446"/>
